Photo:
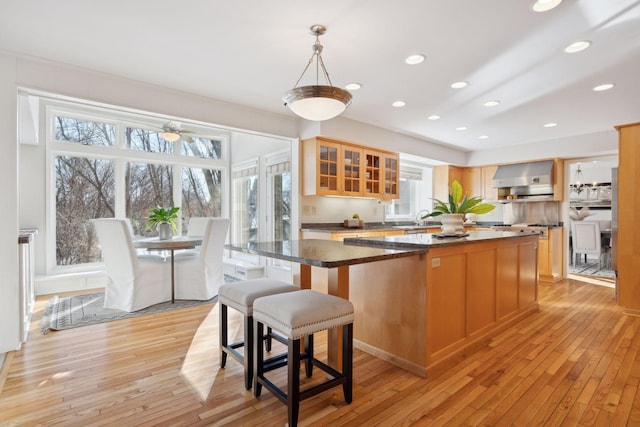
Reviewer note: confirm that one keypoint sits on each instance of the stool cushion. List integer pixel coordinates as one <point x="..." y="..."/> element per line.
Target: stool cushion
<point x="240" y="295"/>
<point x="301" y="313"/>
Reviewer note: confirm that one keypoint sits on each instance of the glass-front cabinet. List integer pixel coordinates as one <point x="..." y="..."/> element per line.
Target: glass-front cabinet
<point x="352" y="171"/>
<point x="391" y="176"/>
<point x="328" y="168"/>
<point x="334" y="168"/>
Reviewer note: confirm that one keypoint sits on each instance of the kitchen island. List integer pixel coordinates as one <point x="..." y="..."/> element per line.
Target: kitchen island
<point x="420" y="311"/>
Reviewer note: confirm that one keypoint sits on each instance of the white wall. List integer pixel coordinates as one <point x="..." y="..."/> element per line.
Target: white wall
<point x="595" y="144"/>
<point x="9" y="302"/>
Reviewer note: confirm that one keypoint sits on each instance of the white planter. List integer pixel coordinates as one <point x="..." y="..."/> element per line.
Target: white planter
<point x="164" y="231"/>
<point x="452" y="223"/>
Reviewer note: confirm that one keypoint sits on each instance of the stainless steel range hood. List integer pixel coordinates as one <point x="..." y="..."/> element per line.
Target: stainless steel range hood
<point x="525" y="181"/>
<point x="524" y="174"/>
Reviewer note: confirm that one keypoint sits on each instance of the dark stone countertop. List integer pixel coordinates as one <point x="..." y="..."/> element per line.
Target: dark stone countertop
<point x="324" y="253"/>
<point x="432" y="240"/>
<point x="378" y="226"/>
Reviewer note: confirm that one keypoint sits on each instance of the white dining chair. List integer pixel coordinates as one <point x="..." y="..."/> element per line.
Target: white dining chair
<point x="134" y="282"/>
<point x="199" y="277"/>
<point x="197" y="225"/>
<point x="587" y="240"/>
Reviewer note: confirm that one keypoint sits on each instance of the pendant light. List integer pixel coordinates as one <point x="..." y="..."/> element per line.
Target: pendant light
<point x="317" y="102"/>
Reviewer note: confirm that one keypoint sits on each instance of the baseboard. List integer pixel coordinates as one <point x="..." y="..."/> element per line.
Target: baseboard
<point x="391" y="358"/>
<point x="69" y="282"/>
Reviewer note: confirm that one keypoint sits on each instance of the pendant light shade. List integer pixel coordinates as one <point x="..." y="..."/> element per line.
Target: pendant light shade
<point x="317" y="102"/>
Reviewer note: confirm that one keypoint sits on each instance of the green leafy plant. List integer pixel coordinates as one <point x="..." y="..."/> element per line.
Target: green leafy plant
<point x="161" y="215"/>
<point x="460" y="203"/>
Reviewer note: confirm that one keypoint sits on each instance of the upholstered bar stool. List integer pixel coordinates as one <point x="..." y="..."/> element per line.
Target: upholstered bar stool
<point x="240" y="296"/>
<point x="299" y="315"/>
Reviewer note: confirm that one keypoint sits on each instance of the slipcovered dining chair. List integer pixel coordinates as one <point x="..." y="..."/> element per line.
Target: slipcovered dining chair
<point x="196" y="228"/>
<point x="587" y="240"/>
<point x="197" y="225"/>
<point x="199" y="277"/>
<point x="134" y="282"/>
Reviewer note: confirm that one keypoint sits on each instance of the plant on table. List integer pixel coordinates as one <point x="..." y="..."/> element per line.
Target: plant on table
<point x="161" y="215"/>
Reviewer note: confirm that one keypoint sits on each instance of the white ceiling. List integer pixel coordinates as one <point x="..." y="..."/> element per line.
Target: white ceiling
<point x="249" y="52"/>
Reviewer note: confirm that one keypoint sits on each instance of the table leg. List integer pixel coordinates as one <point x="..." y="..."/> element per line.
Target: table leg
<point x="305" y="276"/>
<point x="172" y="279"/>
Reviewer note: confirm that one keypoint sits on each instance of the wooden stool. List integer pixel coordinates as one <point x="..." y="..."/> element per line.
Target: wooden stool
<point x="297" y="315"/>
<point x="240" y="296"/>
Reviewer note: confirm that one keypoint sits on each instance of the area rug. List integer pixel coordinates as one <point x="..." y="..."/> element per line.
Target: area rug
<point x="88" y="309"/>
<point x="591" y="269"/>
<point x="82" y="310"/>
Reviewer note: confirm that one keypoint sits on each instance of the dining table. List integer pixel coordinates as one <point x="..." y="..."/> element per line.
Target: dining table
<point x="333" y="255"/>
<point x="171" y="245"/>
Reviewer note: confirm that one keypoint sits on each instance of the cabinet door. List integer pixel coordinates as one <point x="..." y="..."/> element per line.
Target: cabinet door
<point x="373" y="173"/>
<point x="391" y="177"/>
<point x="488" y="192"/>
<point x="328" y="168"/>
<point x="352" y="171"/>
<point x="473" y="182"/>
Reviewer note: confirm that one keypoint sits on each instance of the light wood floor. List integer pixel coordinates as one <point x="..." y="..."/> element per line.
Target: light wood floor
<point x="575" y="362"/>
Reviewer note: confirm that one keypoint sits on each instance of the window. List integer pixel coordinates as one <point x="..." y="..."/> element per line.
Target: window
<point x="280" y="205"/>
<point x="147" y="185"/>
<point x="84" y="190"/>
<point x="415" y="193"/>
<point x="107" y="166"/>
<point x="245" y="203"/>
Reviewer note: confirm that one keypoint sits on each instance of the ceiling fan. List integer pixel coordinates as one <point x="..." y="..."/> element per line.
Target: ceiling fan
<point x="172" y="131"/>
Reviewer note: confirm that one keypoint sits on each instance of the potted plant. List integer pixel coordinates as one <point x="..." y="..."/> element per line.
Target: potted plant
<point x="164" y="220"/>
<point x="452" y="214"/>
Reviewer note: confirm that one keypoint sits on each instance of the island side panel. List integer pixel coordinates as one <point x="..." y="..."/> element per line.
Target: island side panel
<point x="507" y="281"/>
<point x="389" y="298"/>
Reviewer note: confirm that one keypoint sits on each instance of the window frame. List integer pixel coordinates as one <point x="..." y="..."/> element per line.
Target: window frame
<point x="120" y="155"/>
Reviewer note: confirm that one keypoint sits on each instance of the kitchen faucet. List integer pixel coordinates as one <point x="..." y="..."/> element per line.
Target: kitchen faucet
<point x="419" y="216"/>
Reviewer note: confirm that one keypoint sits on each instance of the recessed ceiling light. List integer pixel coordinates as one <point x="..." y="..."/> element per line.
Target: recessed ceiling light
<point x="544" y="5"/>
<point x="550" y="125"/>
<point x="461" y="128"/>
<point x="491" y="103"/>
<point x="459" y="85"/>
<point x="483" y="137"/>
<point x="602" y="87"/>
<point x="399" y="104"/>
<point x="353" y="86"/>
<point x="577" y="46"/>
<point x="434" y="117"/>
<point x="414" y="59"/>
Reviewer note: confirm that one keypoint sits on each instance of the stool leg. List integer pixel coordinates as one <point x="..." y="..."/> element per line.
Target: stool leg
<point x="223" y="335"/>
<point x="293" y="381"/>
<point x="269" y="339"/>
<point x="347" y="361"/>
<point x="258" y="361"/>
<point x="308" y="349"/>
<point x="248" y="351"/>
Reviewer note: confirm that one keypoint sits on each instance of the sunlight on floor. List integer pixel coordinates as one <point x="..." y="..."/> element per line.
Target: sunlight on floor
<point x="202" y="361"/>
<point x="609" y="283"/>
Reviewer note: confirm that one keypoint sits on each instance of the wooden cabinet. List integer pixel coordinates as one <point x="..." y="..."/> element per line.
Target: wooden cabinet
<point x="474" y="290"/>
<point x="550" y="256"/>
<point x="478" y="181"/>
<point x="627" y="234"/>
<point x="443" y="177"/>
<point x="335" y="168"/>
<point x="558" y="180"/>
<point x="341" y="235"/>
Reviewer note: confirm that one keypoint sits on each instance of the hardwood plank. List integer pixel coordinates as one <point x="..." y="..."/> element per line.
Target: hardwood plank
<point x="575" y="362"/>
